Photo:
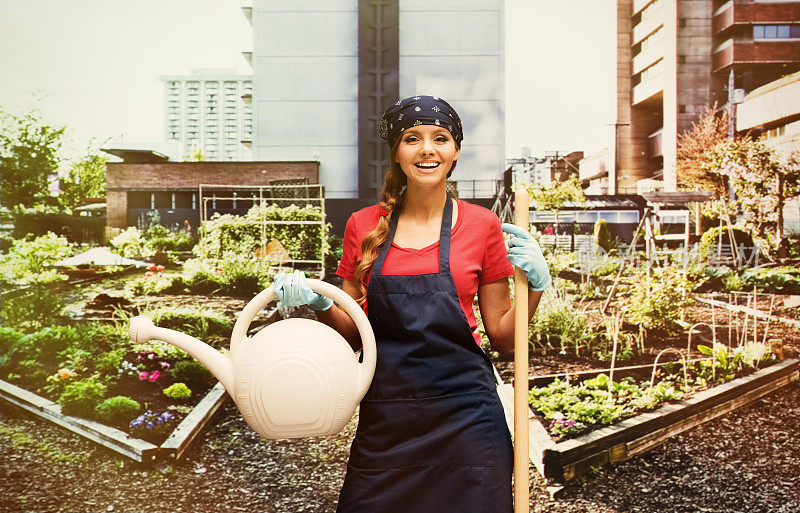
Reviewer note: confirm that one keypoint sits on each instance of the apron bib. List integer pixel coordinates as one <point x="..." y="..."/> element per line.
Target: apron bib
<point x="432" y="435"/>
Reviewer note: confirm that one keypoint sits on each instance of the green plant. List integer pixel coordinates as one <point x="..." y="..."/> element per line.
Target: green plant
<point x="193" y="373"/>
<point x="39" y="308"/>
<point x="602" y="235"/>
<point x="131" y="244"/>
<point x="654" y="302"/>
<point x="557" y="323"/>
<point x="117" y="410"/>
<point x="228" y="235"/>
<point x="178" y="391"/>
<point x="710" y="240"/>
<point x="45" y="344"/>
<point x="81" y="397"/>
<point x="107" y="363"/>
<point x="28" y="261"/>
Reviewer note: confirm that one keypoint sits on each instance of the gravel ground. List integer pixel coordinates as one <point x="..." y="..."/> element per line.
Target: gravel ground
<point x="745" y="461"/>
<point x="748" y="460"/>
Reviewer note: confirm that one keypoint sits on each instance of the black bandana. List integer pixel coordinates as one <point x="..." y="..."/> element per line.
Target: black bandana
<point x="420" y="110"/>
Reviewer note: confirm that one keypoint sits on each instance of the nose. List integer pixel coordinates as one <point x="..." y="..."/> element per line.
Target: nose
<point x="427" y="147"/>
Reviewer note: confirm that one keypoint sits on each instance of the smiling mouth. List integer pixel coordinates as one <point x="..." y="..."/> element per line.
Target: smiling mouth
<point x="427" y="165"/>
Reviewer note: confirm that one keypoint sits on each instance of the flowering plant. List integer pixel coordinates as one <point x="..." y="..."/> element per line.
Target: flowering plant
<point x="151" y="425"/>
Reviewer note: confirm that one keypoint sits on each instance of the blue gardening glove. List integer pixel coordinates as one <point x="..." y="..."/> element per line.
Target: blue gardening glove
<point x="293" y="290"/>
<point x="525" y="253"/>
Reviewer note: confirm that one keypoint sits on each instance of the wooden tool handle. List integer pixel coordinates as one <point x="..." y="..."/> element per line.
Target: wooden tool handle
<point x="521" y="458"/>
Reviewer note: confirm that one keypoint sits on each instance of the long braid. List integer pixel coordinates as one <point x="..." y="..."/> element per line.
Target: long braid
<point x="391" y="200"/>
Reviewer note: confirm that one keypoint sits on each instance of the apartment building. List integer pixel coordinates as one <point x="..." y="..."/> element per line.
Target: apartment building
<point x="208" y="110"/>
<point x="675" y="58"/>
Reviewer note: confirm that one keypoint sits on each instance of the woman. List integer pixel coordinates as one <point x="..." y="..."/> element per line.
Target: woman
<point x="432" y="435"/>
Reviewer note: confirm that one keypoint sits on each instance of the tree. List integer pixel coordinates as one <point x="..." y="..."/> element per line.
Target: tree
<point x="554" y="196"/>
<point x="85" y="179"/>
<point x="28" y="154"/>
<point x="195" y="156"/>
<point x="693" y="164"/>
<point x="761" y="182"/>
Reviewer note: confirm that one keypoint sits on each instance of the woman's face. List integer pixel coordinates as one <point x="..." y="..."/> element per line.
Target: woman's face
<point x="426" y="153"/>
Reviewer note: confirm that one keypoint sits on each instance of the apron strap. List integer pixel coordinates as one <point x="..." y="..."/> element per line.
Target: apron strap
<point x="444" y="240"/>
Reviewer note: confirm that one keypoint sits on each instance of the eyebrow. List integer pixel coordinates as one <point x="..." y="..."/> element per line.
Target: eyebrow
<point x="438" y="130"/>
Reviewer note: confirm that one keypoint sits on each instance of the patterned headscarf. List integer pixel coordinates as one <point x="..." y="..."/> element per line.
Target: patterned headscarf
<point x="420" y="110"/>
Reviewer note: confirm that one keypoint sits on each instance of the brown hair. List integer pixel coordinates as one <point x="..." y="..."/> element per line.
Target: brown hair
<point x="391" y="200"/>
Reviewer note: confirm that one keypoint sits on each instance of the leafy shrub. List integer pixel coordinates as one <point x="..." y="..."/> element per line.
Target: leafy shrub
<point x="227" y="235"/>
<point x="779" y="280"/>
<point x="602" y="235"/>
<point x="654" y="302"/>
<point x="9" y="340"/>
<point x="710" y="240"/>
<point x="572" y="409"/>
<point x="198" y="323"/>
<point x="45" y="345"/>
<point x="39" y="308"/>
<point x="193" y="373"/>
<point x="178" y="391"/>
<point x="81" y="397"/>
<point x="27" y="261"/>
<point x="108" y="362"/>
<point x="132" y="244"/>
<point x="149" y="285"/>
<point x="117" y="410"/>
<point x="160" y="238"/>
<point x="557" y="323"/>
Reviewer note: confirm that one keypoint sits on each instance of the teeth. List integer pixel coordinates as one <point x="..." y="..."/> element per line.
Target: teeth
<point x="427" y="165"/>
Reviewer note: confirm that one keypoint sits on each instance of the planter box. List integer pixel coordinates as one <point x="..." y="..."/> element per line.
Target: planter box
<point x="116" y="440"/>
<point x="572" y="458"/>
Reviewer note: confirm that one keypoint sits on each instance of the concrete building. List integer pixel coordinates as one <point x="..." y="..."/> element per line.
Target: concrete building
<point x="675" y="58"/>
<point x="553" y="166"/>
<point x="323" y="73"/>
<point x="207" y="110"/>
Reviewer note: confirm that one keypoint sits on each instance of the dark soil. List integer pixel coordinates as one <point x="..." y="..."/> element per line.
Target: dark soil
<point x="748" y="460"/>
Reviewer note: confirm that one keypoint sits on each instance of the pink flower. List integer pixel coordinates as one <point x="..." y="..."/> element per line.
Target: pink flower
<point x="142" y="376"/>
<point x="154" y="376"/>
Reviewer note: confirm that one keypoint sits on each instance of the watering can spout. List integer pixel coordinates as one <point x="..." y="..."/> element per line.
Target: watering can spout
<point x="142" y="329"/>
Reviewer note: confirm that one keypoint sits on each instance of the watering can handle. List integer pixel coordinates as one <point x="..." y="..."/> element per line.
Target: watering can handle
<point x="345" y="302"/>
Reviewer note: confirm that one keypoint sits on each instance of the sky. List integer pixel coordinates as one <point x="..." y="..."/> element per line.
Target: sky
<point x="94" y="66"/>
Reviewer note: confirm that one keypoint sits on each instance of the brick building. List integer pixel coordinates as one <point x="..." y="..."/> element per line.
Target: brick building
<point x="675" y="58"/>
<point x="146" y="181"/>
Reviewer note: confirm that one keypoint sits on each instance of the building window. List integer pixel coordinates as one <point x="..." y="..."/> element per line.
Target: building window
<point x="173" y="200"/>
<point x="776" y="31"/>
<point x="194" y="201"/>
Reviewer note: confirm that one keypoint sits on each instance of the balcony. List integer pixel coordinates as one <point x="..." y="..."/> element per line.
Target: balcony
<point x="732" y="14"/>
<point x="761" y="52"/>
<point x="648" y="25"/>
<point x="648" y="90"/>
<point x="648" y="57"/>
<point x="638" y="5"/>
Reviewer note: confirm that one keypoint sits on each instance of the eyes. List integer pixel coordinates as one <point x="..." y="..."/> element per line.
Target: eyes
<point x="439" y="138"/>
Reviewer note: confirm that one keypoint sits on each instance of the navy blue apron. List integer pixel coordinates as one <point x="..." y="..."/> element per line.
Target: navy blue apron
<point x="432" y="436"/>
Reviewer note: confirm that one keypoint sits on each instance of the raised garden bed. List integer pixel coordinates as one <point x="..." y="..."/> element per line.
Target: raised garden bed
<point x="569" y="459"/>
<point x="140" y="450"/>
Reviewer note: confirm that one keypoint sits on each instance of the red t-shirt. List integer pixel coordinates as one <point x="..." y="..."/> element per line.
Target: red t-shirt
<point x="477" y="253"/>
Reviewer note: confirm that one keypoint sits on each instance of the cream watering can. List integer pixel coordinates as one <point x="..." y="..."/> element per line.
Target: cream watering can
<point x="294" y="378"/>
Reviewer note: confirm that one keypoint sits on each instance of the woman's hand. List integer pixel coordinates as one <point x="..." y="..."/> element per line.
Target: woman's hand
<point x="525" y="253"/>
<point x="293" y="290"/>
